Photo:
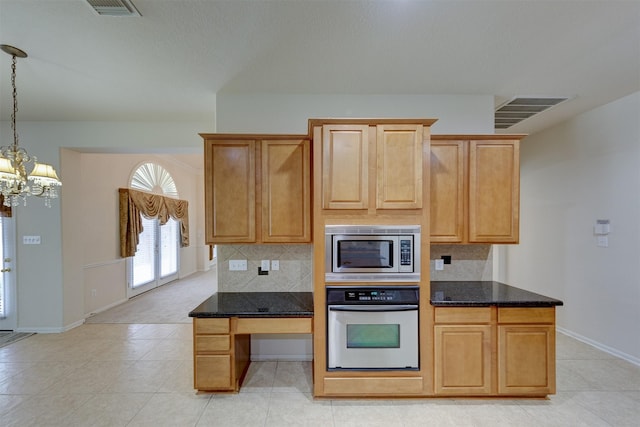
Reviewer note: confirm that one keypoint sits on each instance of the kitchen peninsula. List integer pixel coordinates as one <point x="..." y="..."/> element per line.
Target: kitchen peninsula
<point x="493" y="339"/>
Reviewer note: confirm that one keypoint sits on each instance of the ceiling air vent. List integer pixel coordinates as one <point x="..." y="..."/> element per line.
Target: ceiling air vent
<point x="114" y="7"/>
<point x="521" y="108"/>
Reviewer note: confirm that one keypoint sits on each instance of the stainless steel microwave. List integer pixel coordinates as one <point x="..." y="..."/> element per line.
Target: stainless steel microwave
<point x="373" y="253"/>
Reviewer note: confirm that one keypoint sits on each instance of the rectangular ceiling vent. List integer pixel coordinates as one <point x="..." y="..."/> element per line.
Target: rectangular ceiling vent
<point x="521" y="108"/>
<point x="114" y="7"/>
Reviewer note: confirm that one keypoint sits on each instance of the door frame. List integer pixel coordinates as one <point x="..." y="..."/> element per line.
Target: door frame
<point x="10" y="321"/>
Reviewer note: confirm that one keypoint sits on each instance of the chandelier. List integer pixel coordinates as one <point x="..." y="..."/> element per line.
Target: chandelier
<point x="20" y="173"/>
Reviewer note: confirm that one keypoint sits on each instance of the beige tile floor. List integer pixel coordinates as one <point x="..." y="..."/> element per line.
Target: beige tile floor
<point x="140" y="374"/>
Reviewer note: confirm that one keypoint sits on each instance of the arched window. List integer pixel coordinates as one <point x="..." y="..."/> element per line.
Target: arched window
<point x="156" y="260"/>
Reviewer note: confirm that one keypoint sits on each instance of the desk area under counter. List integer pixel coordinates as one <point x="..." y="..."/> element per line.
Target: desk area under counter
<point x="222" y="328"/>
<point x="492" y="339"/>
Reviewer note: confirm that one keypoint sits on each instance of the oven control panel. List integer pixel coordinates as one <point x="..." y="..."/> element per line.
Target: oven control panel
<point x="377" y="295"/>
<point x="364" y="294"/>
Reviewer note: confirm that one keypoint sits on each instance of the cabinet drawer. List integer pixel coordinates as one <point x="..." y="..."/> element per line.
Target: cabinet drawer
<point x="213" y="372"/>
<point x="211" y="343"/>
<point x="526" y="315"/>
<point x="211" y="326"/>
<point x="464" y="315"/>
<point x="297" y="325"/>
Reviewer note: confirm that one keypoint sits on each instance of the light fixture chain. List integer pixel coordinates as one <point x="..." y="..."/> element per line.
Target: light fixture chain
<point x="15" y="102"/>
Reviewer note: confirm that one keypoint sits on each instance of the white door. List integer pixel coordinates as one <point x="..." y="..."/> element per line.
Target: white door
<point x="157" y="258"/>
<point x="8" y="301"/>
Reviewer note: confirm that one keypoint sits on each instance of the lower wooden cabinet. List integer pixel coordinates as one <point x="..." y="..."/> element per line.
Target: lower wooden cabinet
<point x="497" y="351"/>
<point x="463" y="348"/>
<point x="213" y="372"/>
<point x="526" y="351"/>
<point x="220" y="358"/>
<point x="463" y="364"/>
<point x="222" y="347"/>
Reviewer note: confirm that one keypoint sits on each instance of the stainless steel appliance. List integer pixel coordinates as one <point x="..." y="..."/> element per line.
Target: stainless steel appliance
<point x="372" y="328"/>
<point x="357" y="253"/>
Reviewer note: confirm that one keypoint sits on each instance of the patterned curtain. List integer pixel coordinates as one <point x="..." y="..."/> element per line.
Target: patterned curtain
<point x="134" y="203"/>
<point x="5" y="211"/>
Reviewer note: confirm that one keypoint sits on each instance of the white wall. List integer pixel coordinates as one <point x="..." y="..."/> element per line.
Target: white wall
<point x="585" y="169"/>
<point x="49" y="276"/>
<point x="276" y="113"/>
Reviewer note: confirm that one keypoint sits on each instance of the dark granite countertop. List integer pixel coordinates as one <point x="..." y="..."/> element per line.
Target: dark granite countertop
<point x="256" y="304"/>
<point x="486" y="293"/>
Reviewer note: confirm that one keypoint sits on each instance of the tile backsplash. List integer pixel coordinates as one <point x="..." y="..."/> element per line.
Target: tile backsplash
<point x="468" y="262"/>
<point x="295" y="273"/>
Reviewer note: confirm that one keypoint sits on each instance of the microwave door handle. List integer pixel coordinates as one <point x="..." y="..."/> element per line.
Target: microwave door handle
<point x="377" y="308"/>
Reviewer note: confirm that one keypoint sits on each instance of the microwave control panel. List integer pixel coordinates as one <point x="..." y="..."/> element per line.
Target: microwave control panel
<point x="405" y="252"/>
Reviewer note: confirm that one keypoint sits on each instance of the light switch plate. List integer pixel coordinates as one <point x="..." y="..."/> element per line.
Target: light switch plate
<point x="275" y="265"/>
<point x="31" y="240"/>
<point x="439" y="264"/>
<point x="264" y="265"/>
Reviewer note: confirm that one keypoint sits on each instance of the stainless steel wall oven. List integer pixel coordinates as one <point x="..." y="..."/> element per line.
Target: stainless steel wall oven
<point x="372" y="328"/>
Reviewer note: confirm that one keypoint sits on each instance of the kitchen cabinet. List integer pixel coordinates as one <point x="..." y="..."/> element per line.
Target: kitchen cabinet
<point x="220" y="359"/>
<point x="475" y="188"/>
<point x="526" y="351"/>
<point x="497" y="351"/>
<point x="463" y="339"/>
<point x="371" y="164"/>
<point x="222" y="347"/>
<point x="257" y="188"/>
<point x="448" y="186"/>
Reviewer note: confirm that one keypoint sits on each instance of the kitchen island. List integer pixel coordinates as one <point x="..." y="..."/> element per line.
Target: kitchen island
<point x="492" y="339"/>
<point x="222" y="328"/>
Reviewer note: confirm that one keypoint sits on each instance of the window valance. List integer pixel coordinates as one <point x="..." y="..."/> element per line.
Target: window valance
<point x="134" y="203"/>
<point x="5" y="211"/>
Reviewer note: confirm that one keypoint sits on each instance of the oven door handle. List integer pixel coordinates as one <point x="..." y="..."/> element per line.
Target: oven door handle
<point x="374" y="308"/>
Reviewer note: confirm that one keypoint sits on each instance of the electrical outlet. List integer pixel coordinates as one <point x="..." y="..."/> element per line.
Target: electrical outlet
<point x="237" y="265"/>
<point x="264" y="265"/>
<point x="439" y="264"/>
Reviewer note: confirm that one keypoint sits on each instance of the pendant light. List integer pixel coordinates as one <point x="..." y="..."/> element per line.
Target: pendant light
<point x="21" y="175"/>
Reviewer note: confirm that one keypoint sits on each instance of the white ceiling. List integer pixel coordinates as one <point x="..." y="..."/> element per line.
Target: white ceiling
<point x="170" y="63"/>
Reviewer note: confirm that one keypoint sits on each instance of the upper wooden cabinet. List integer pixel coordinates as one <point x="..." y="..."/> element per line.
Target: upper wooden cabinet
<point x="475" y="188"/>
<point x="345" y="166"/>
<point x="286" y="191"/>
<point x="372" y="164"/>
<point x="230" y="187"/>
<point x="257" y="188"/>
<point x="448" y="190"/>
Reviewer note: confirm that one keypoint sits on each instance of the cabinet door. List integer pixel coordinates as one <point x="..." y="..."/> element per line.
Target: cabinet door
<point x="230" y="191"/>
<point x="286" y="199"/>
<point x="345" y="163"/>
<point x="462" y="359"/>
<point x="526" y="359"/>
<point x="213" y="372"/>
<point x="448" y="177"/>
<point x="494" y="191"/>
<point x="399" y="166"/>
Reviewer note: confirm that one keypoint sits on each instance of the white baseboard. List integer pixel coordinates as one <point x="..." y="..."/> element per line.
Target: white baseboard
<point x="600" y="346"/>
<point x="105" y="308"/>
